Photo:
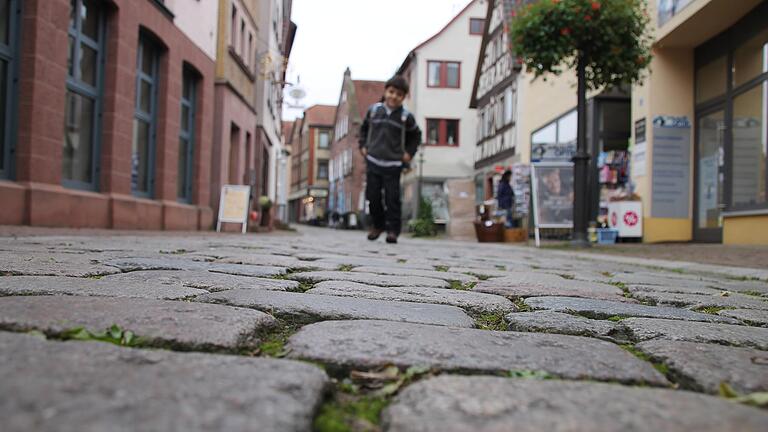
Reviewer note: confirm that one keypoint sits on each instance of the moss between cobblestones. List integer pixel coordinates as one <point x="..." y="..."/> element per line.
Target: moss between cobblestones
<point x="661" y="367"/>
<point x="492" y="321"/>
<point x="273" y="341"/>
<point x="441" y="268"/>
<point x="754" y="294"/>
<point x="345" y="267"/>
<point x="521" y="305"/>
<point x="616" y="318"/>
<point x="482" y="277"/>
<point x="713" y="310"/>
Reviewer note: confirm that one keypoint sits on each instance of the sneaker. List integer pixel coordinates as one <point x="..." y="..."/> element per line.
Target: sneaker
<point x="391" y="238"/>
<point x="374" y="234"/>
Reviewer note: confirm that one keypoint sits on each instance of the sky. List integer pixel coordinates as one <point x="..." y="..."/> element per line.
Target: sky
<point x="371" y="37"/>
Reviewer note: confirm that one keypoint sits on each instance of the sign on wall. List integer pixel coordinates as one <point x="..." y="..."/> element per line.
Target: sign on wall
<point x="233" y="205"/>
<point x="552" y="189"/>
<point x="671" y="167"/>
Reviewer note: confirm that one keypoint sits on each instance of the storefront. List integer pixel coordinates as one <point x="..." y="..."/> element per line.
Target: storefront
<point x="731" y="125"/>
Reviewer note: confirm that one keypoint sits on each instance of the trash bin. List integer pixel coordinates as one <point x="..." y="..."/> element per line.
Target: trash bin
<point x="489" y="231"/>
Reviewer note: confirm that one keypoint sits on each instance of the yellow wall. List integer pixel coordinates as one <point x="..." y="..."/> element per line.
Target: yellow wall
<point x="746" y="230"/>
<point x="657" y="230"/>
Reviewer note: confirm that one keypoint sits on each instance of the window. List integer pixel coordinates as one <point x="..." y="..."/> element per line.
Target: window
<point x="145" y="118"/>
<point x="187" y="136"/>
<point x="324" y="140"/>
<point x="322" y="170"/>
<point x="9" y="21"/>
<point x="83" y="98"/>
<point x="443" y="74"/>
<point x="250" y="49"/>
<point x="442" y="132"/>
<point x="750" y="116"/>
<point x="242" y="38"/>
<point x="476" y="26"/>
<point x="233" y="28"/>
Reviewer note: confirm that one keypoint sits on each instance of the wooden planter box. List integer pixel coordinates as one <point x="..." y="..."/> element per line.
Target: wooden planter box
<point x="489" y="233"/>
<point x="515" y="235"/>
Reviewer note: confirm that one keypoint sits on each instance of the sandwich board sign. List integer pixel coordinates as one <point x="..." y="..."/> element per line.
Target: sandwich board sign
<point x="233" y="205"/>
<point x="552" y="191"/>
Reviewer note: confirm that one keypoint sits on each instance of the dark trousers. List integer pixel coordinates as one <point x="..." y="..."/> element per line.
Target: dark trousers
<point x="385" y="209"/>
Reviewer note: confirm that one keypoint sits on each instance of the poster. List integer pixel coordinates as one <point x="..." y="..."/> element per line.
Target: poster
<point x="521" y="186"/>
<point x="553" y="195"/>
<point x="233" y="205"/>
<point x="671" y="167"/>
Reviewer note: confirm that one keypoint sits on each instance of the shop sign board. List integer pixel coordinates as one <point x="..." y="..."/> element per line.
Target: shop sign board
<point x="552" y="189"/>
<point x="671" y="167"/>
<point x="233" y="205"/>
<point x="627" y="218"/>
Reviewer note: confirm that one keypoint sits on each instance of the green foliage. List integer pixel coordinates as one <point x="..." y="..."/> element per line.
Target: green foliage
<point x="616" y="318"/>
<point x="441" y="268"/>
<point x="611" y="36"/>
<point x="265" y="203"/>
<point x="660" y="367"/>
<point x="758" y="399"/>
<point x="424" y="224"/>
<point x="354" y="414"/>
<point x="530" y="374"/>
<point x="346" y="267"/>
<point x="492" y="321"/>
<point x="713" y="310"/>
<point x="114" y="335"/>
<point x="522" y="306"/>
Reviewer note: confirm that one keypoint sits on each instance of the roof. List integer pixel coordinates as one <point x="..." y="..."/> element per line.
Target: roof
<point x="287" y="131"/>
<point x="412" y="53"/>
<point x="367" y="93"/>
<point x="320" y="115"/>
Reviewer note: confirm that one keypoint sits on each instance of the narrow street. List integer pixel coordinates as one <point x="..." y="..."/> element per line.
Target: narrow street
<point x="321" y="329"/>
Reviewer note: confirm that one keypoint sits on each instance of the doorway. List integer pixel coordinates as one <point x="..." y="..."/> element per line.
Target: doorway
<point x="710" y="176"/>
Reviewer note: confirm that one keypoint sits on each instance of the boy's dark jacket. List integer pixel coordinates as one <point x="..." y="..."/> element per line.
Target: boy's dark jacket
<point x="386" y="133"/>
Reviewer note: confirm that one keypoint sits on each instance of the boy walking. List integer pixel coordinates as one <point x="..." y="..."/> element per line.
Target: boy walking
<point x="389" y="138"/>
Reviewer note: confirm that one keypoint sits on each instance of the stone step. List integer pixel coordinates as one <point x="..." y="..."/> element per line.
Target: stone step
<point x="476" y="302"/>
<point x="309" y="307"/>
<point x="168" y="324"/>
<point x="602" y="309"/>
<point x="702" y="367"/>
<point x="89" y="386"/>
<point x="452" y="403"/>
<point x="370" y="344"/>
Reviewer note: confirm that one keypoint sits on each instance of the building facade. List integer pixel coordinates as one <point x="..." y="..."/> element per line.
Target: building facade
<point x="441" y="72"/>
<point x="132" y="83"/>
<point x="347" y="165"/>
<point x="311" y="157"/>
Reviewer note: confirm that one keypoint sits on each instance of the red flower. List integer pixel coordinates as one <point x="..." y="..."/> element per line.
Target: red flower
<point x="588" y="18"/>
<point x="565" y="31"/>
<point x="595" y="5"/>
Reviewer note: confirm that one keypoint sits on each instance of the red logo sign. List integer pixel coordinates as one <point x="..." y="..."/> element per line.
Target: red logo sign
<point x="631" y="218"/>
<point x="614" y="219"/>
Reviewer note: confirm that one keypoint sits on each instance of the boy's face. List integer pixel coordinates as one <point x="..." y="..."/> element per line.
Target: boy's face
<point x="393" y="97"/>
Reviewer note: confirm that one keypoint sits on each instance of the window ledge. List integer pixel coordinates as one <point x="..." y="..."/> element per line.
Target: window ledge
<point x="164" y="9"/>
<point x="241" y="63"/>
<point x="738" y="213"/>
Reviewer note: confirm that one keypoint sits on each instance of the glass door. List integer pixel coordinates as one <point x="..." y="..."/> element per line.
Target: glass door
<point x="710" y="176"/>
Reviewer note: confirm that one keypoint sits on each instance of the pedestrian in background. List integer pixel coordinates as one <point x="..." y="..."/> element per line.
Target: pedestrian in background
<point x="389" y="138"/>
<point x="506" y="198"/>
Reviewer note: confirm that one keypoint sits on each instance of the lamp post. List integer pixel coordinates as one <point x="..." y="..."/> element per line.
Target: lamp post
<point x="419" y="182"/>
<point x="581" y="164"/>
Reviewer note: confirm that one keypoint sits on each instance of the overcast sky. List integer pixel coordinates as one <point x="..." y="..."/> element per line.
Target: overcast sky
<point x="372" y="37"/>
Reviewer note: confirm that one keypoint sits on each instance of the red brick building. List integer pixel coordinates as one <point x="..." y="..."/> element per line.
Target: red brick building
<point x="113" y="106"/>
<point x="347" y="167"/>
<point x="310" y="157"/>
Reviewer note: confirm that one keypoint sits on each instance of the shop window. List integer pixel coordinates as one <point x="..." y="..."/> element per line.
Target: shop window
<point x="442" y="74"/>
<point x="187" y="136"/>
<point x="567" y="130"/>
<point x="751" y="59"/>
<point x="84" y="93"/>
<point x="9" y="22"/>
<point x="442" y="132"/>
<point x="476" y="26"/>
<point x="711" y="79"/>
<point x="748" y="178"/>
<point x="322" y="170"/>
<point x="145" y="118"/>
<point x="324" y="140"/>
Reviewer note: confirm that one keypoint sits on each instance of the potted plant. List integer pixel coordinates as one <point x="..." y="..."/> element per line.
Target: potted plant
<point x="265" y="204"/>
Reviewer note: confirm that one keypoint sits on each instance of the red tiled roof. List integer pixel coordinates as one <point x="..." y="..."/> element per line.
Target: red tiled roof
<point x="320" y="115"/>
<point x="367" y="94"/>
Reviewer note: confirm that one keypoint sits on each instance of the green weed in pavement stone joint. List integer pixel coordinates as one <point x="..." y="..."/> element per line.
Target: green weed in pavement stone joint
<point x="758" y="399"/>
<point x="607" y="274"/>
<point x="754" y="294"/>
<point x="95" y="276"/>
<point x="616" y="318"/>
<point x="457" y="285"/>
<point x="402" y="261"/>
<point x="345" y="267"/>
<point x="501" y="267"/>
<point x="661" y="367"/>
<point x="567" y="276"/>
<point x="114" y="335"/>
<point x="492" y="321"/>
<point x="522" y="306"/>
<point x="349" y="413"/>
<point x="482" y="277"/>
<point x="713" y="310"/>
<point x="530" y="374"/>
<point x="535" y="267"/>
<point x="273" y="342"/>
<point x="441" y="268"/>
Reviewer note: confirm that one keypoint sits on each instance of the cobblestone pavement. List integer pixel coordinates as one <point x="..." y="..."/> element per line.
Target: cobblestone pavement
<point x="323" y="330"/>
